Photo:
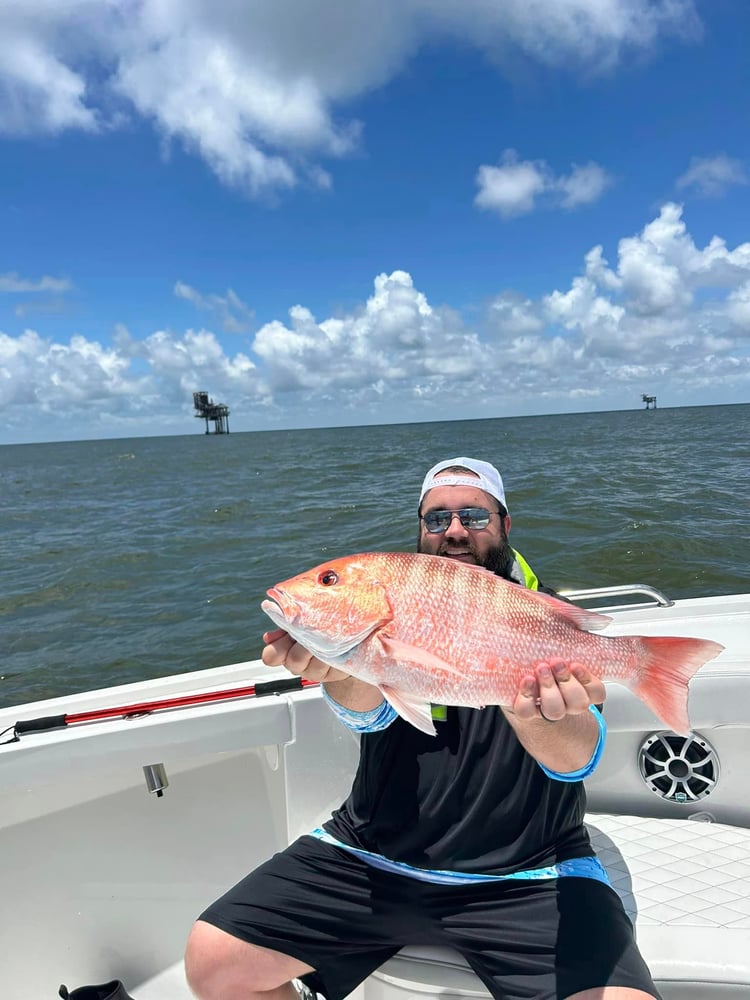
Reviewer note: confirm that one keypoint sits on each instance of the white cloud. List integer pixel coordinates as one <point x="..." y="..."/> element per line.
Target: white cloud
<point x="12" y="282"/>
<point x="259" y="91"/>
<point x="511" y="189"/>
<point x="712" y="176"/>
<point x="738" y="308"/>
<point x="236" y="317"/>
<point x="583" y="185"/>
<point x="180" y="364"/>
<point x="396" y="336"/>
<point x="666" y="309"/>
<point x="592" y="33"/>
<point x="36" y="371"/>
<point x="646" y="309"/>
<point x="514" y="187"/>
<point x="40" y="91"/>
<point x="513" y="315"/>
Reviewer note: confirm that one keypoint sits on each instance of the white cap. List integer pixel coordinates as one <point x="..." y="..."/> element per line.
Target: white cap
<point x="486" y="477"/>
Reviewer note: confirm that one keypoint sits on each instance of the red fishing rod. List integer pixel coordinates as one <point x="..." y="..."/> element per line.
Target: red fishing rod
<point x="258" y="690"/>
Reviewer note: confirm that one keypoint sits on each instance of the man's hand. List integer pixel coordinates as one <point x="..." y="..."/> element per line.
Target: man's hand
<point x="555" y="690"/>
<point x="282" y="651"/>
<point x="551" y="717"/>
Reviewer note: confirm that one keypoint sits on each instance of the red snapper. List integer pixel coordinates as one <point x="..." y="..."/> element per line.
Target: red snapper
<point x="427" y="630"/>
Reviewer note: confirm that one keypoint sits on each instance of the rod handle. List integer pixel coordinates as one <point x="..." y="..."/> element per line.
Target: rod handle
<point x="40" y="725"/>
<point x="278" y="686"/>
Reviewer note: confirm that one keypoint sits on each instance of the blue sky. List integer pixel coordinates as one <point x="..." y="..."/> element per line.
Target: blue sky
<point x="358" y="212"/>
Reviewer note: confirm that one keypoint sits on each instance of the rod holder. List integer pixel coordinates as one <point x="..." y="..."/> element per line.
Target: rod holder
<point x="156" y="778"/>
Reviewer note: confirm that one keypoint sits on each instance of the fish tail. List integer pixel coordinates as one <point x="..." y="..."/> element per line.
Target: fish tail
<point x="662" y="681"/>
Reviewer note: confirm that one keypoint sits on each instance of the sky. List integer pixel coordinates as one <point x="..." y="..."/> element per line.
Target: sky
<point x="337" y="212"/>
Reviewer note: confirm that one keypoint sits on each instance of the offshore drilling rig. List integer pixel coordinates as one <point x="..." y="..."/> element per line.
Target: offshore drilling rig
<point x="206" y="409"/>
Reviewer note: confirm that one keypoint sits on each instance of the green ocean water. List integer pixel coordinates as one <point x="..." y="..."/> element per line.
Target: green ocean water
<point x="123" y="560"/>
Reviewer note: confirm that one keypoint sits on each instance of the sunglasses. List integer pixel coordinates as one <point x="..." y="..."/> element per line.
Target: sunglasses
<point x="474" y="518"/>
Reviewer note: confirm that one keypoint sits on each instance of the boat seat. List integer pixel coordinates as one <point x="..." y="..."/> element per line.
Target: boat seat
<point x="684" y="884"/>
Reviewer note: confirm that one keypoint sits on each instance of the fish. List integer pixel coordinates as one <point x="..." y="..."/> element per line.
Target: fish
<point x="426" y="630"/>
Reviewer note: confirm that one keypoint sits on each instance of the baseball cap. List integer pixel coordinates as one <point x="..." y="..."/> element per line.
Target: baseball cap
<point x="486" y="477"/>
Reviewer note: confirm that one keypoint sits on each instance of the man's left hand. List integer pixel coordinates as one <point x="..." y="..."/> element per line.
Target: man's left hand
<point x="557" y="689"/>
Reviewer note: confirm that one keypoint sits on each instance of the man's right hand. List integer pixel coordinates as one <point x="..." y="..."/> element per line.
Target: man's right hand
<point x="282" y="651"/>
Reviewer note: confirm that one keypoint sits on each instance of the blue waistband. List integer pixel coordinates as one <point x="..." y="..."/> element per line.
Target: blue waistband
<point x="577" y="867"/>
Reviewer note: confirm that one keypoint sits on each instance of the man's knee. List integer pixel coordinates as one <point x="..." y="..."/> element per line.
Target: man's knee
<point x="204" y="959"/>
<point x="219" y="965"/>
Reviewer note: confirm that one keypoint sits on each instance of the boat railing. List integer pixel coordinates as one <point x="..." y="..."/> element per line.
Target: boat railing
<point x="599" y="594"/>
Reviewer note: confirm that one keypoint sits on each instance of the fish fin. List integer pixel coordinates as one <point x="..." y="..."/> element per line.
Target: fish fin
<point x="405" y="653"/>
<point x="662" y="683"/>
<point x="415" y="710"/>
<point x="582" y="618"/>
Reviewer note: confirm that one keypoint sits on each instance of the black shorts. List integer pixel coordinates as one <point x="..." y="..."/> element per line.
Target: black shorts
<point x="544" y="940"/>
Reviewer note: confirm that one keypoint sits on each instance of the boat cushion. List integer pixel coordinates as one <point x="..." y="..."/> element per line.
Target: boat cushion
<point x="684" y="884"/>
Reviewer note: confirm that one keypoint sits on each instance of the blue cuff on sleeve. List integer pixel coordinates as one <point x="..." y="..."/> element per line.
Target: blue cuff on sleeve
<point x="371" y="721"/>
<point x="584" y="772"/>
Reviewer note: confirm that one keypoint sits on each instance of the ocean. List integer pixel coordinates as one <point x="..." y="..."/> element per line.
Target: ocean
<point x="122" y="560"/>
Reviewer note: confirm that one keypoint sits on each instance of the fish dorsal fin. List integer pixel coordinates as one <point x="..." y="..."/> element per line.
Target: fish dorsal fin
<point x="404" y="652"/>
<point x="582" y="618"/>
<point x="415" y="710"/>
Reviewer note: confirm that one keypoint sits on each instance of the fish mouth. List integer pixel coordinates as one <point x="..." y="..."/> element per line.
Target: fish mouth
<point x="281" y="609"/>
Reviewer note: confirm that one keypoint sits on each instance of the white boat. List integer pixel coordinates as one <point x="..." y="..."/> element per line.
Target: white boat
<point x="105" y="865"/>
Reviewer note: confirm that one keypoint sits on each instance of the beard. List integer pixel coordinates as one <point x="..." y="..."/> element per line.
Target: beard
<point x="498" y="560"/>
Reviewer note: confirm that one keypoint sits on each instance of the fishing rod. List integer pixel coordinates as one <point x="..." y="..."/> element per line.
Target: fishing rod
<point x="259" y="690"/>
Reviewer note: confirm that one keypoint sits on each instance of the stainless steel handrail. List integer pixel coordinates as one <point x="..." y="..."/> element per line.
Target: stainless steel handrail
<point x="623" y="590"/>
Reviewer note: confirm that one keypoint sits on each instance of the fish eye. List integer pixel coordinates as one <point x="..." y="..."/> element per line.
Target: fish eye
<point x="328" y="577"/>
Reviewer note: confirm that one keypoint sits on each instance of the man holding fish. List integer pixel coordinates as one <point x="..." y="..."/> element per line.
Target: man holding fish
<point x="476" y="697"/>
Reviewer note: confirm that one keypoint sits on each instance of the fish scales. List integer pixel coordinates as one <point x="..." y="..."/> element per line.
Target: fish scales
<point x="496" y="638"/>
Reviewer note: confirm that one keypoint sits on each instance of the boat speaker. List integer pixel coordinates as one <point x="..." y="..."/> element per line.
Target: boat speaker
<point x="678" y="768"/>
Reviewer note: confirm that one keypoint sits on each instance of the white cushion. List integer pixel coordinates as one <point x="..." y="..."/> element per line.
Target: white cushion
<point x="686" y="887"/>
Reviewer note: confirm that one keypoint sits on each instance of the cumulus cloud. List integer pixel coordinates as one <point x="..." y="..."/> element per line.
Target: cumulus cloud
<point x="644" y="314"/>
<point x="664" y="308"/>
<point x="259" y="91"/>
<point x="37" y="371"/>
<point x="179" y="364"/>
<point x="395" y="337"/>
<point x="514" y="187"/>
<point x="738" y="308"/>
<point x="711" y="176"/>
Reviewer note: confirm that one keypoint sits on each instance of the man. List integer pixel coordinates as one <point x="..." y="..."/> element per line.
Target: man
<point x="472" y="839"/>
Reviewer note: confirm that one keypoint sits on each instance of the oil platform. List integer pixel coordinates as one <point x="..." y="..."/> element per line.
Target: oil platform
<point x="649" y="401"/>
<point x="207" y="410"/>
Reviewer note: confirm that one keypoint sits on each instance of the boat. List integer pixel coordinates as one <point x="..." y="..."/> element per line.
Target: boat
<point x="125" y="811"/>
